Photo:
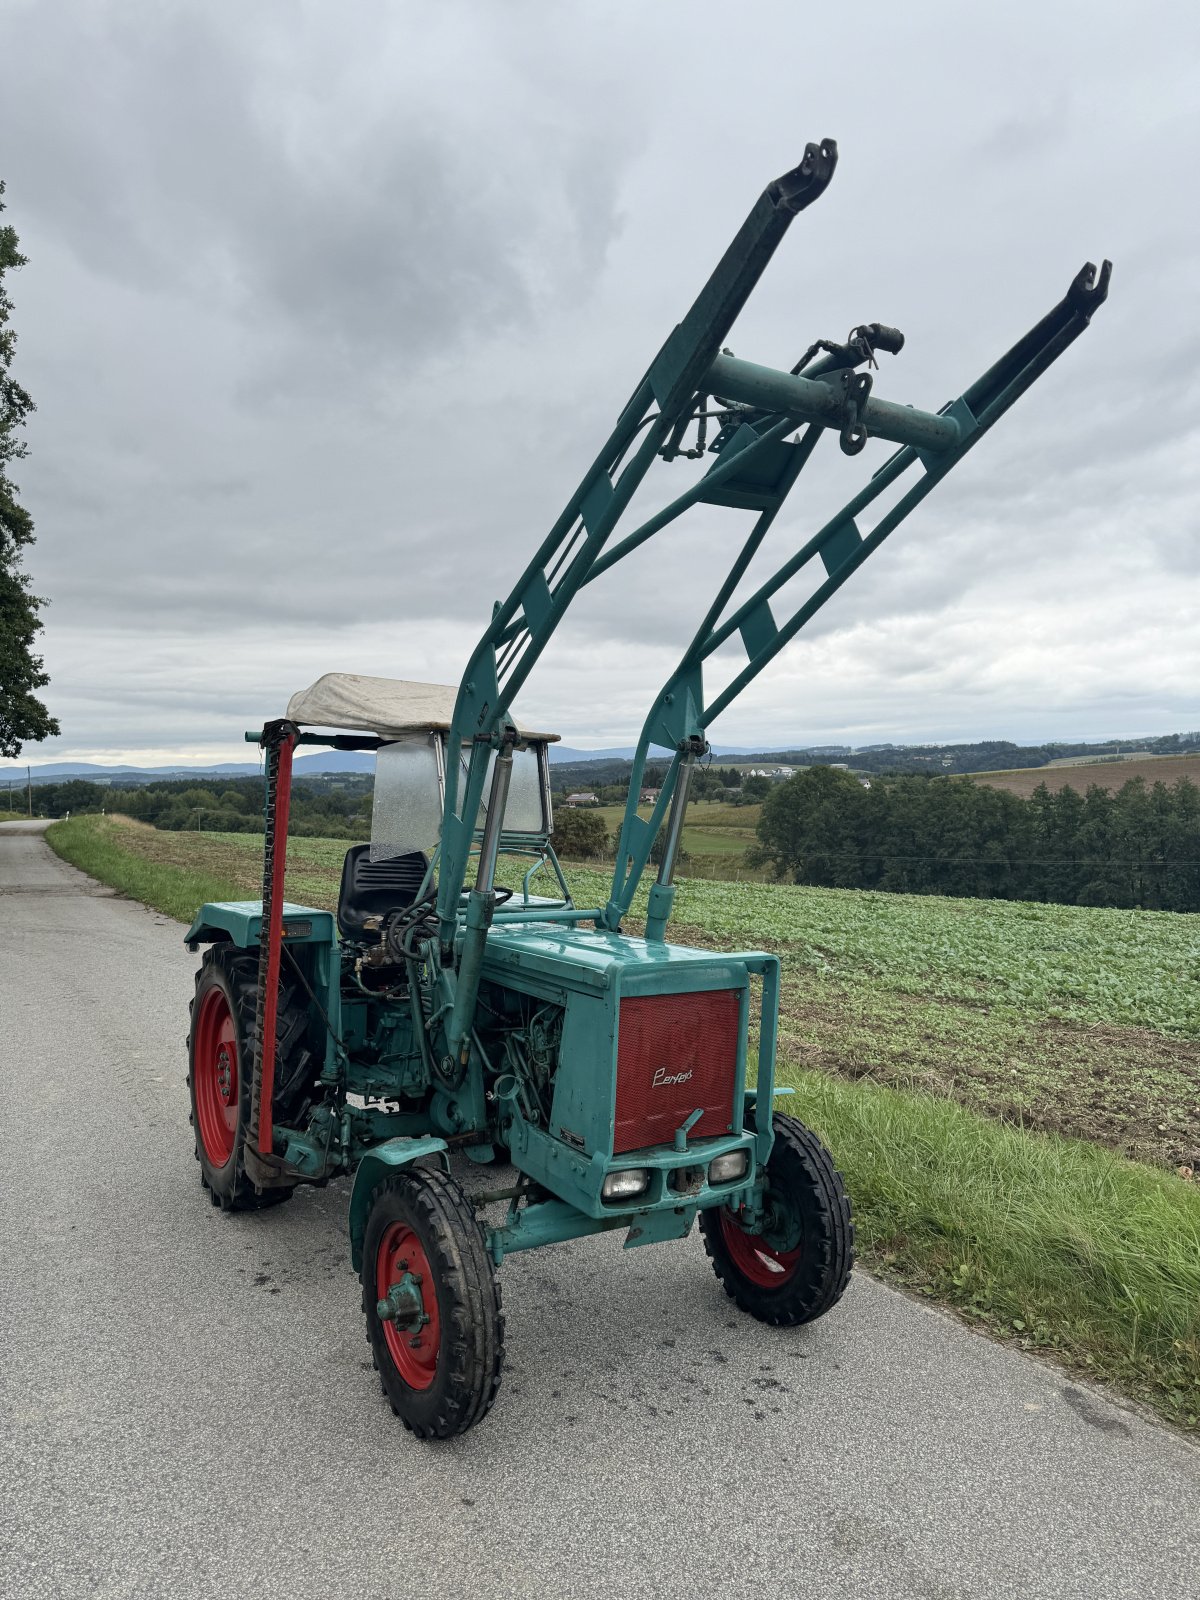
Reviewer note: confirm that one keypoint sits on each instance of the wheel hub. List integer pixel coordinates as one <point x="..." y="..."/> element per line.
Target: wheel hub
<point x="779" y="1228"/>
<point x="403" y="1304"/>
<point x="406" y="1305"/>
<point x="769" y="1254"/>
<point x="224" y="1075"/>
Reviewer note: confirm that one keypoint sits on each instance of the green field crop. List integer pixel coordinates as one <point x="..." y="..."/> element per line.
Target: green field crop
<point x="712" y="830"/>
<point x="1126" y="968"/>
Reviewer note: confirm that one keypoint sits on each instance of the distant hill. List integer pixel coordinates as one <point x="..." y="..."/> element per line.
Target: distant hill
<point x="576" y="767"/>
<point x="318" y="762"/>
<point x="304" y="766"/>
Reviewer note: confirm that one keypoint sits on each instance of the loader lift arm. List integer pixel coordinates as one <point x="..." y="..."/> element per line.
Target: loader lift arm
<point x="755" y="468"/>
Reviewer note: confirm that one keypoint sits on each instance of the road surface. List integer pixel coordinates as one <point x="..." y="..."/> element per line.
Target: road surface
<point x="189" y="1410"/>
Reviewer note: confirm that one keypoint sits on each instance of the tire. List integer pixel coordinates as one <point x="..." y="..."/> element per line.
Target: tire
<point x="798" y="1267"/>
<point x="421" y="1223"/>
<point x="220" y="1050"/>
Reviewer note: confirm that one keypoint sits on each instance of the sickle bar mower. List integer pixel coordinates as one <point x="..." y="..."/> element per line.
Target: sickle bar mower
<point x="441" y="1011"/>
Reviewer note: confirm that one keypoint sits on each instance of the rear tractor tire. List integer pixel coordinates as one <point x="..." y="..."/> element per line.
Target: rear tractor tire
<point x="797" y="1266"/>
<point x="439" y="1344"/>
<point x="220" y="1052"/>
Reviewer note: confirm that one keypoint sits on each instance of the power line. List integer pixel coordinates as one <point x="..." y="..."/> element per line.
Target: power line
<point x="1007" y="861"/>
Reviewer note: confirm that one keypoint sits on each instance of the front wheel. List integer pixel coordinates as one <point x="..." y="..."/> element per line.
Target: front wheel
<point x="797" y="1264"/>
<point x="432" y="1304"/>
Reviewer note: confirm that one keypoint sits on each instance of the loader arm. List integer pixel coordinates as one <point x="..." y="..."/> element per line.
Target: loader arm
<point x="522" y="625"/>
<point x="756" y="465"/>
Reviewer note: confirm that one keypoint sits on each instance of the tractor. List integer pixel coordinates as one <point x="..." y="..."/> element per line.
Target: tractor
<point x="461" y="1002"/>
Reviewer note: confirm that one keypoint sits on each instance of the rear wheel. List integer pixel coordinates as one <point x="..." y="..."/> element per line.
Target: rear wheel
<point x="795" y="1263"/>
<point x="432" y="1304"/>
<point x="220" y="1052"/>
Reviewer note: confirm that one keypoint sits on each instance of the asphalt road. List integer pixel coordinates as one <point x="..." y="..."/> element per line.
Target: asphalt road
<point x="188" y="1407"/>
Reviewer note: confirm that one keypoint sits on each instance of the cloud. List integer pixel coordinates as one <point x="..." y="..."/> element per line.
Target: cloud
<point x="328" y="310"/>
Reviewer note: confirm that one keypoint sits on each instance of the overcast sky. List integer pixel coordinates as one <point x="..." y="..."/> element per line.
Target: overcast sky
<point x="329" y="306"/>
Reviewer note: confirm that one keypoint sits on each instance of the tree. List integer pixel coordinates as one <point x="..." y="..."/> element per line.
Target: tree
<point x="808" y="825"/>
<point x="754" y="791"/>
<point x="579" y="834"/>
<point x="22" y="715"/>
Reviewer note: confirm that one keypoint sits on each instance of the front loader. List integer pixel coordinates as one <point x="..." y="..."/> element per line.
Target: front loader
<point x="460" y="1001"/>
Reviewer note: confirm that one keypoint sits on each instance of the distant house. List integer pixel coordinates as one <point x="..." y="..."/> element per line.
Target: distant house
<point x="582" y="800"/>
<point x="648" y="797"/>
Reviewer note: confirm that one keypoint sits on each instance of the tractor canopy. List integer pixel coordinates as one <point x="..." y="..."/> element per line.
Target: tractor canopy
<point x="387" y="707"/>
<point x="412" y="723"/>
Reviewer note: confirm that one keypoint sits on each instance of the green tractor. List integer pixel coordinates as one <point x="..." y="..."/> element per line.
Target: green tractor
<point x="444" y="1010"/>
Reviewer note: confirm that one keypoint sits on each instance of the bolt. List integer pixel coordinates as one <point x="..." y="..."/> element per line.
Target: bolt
<point x="415" y="1344"/>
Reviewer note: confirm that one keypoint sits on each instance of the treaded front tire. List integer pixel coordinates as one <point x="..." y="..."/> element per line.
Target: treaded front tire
<point x="440" y="1378"/>
<point x="220" y="1051"/>
<point x="798" y="1266"/>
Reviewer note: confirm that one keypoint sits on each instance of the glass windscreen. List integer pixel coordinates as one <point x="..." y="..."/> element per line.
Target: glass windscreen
<point x="524" y="812"/>
<point x="407" y="809"/>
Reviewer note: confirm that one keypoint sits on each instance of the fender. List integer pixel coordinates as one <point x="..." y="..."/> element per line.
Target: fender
<point x="240" y="921"/>
<point x="375" y="1166"/>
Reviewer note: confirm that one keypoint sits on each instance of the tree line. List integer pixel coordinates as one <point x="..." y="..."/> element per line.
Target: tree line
<point x="1138" y="847"/>
<point x="319" y="809"/>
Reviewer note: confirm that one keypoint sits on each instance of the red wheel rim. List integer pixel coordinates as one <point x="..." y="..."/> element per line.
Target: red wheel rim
<point x="413" y="1350"/>
<point x="755" y="1259"/>
<point x="215" y="1077"/>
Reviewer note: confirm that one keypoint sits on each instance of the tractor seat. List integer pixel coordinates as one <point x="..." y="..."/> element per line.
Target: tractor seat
<point x="373" y="888"/>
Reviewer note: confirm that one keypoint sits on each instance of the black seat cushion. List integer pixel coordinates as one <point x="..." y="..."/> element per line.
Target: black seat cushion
<point x="373" y="888"/>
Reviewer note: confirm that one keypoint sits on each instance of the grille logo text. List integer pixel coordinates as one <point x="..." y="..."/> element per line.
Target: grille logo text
<point x="662" y="1078"/>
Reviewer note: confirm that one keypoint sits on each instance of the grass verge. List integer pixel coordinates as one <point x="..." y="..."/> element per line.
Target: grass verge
<point x="1052" y="1243"/>
<point x="108" y="850"/>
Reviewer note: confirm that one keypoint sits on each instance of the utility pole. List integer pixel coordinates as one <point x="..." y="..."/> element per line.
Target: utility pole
<point x="29" y="787"/>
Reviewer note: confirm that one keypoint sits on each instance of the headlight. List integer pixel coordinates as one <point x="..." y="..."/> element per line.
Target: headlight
<point x="626" y="1184"/>
<point x="724" y="1169"/>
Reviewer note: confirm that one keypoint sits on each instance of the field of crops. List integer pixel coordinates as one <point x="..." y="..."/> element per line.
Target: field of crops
<point x="1104" y="774"/>
<point x="715" y="836"/>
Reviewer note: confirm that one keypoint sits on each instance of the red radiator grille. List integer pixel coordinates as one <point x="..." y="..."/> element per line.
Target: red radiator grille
<point x="675" y="1052"/>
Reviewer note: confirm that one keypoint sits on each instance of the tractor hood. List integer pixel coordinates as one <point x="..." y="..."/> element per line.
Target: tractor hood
<point x="545" y="957"/>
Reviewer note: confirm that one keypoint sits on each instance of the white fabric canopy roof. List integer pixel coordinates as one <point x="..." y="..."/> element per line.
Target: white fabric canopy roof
<point x="386" y="706"/>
